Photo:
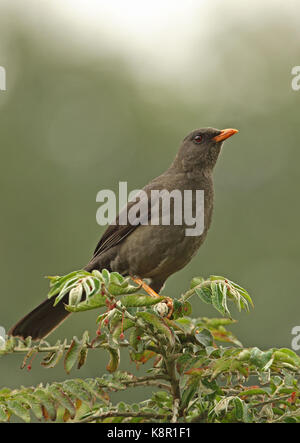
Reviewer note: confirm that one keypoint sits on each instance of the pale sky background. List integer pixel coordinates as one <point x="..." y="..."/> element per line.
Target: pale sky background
<point x="159" y="34"/>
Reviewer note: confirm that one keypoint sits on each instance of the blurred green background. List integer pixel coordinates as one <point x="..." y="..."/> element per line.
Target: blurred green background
<point x="77" y="118"/>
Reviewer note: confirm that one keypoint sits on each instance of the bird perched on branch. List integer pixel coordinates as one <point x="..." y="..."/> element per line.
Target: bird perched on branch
<point x="148" y="251"/>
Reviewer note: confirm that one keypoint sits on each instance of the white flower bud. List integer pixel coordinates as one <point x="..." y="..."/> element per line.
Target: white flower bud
<point x="161" y="309"/>
<point x="75" y="295"/>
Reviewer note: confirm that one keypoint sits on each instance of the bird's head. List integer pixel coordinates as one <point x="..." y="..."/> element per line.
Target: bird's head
<point x="200" y="149"/>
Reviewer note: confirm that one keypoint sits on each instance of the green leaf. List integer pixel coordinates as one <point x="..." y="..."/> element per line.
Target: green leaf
<point x="46" y="401"/>
<point x="241" y="410"/>
<point x="106" y="276"/>
<point x="77" y="389"/>
<point x="204" y="293"/>
<point x="292" y="355"/>
<point x="252" y="392"/>
<point x="3" y="413"/>
<point x="116" y="289"/>
<point x="189" y="391"/>
<point x="135" y="338"/>
<point x="119" y="326"/>
<point x="217" y="298"/>
<point x="53" y="358"/>
<point x="114" y="360"/>
<point x="158" y="324"/>
<point x="183" y="362"/>
<point x="204" y="337"/>
<point x="287" y="356"/>
<point x="73" y="354"/>
<point x="93" y="302"/>
<point x="196" y="281"/>
<point x="84" y="350"/>
<point x="260" y="358"/>
<point x="60" y="282"/>
<point x="139" y="300"/>
<point x="63" y="399"/>
<point x="18" y="409"/>
<point x="35" y="405"/>
<point x="242" y="291"/>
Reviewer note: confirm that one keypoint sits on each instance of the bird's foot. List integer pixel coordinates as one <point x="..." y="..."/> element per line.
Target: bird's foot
<point x="146" y="288"/>
<point x="168" y="300"/>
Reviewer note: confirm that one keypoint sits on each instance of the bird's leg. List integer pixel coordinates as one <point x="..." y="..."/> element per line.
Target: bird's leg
<point x="152" y="293"/>
<point x="146" y="288"/>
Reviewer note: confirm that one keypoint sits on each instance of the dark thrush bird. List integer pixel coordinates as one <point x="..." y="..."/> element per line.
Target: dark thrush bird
<point x="147" y="251"/>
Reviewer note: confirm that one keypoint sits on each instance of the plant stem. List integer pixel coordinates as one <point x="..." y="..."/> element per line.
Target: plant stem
<point x="175" y="416"/>
<point x="103" y="415"/>
<point x="188" y="294"/>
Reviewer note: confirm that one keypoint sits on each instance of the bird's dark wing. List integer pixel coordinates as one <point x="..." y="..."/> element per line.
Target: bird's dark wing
<point x="117" y="232"/>
<point x="113" y="235"/>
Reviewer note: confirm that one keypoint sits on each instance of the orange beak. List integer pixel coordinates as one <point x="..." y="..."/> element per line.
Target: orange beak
<point x="225" y="133"/>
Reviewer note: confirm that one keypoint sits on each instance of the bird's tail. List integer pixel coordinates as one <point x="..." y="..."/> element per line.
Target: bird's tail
<point x="41" y="321"/>
<point x="45" y="317"/>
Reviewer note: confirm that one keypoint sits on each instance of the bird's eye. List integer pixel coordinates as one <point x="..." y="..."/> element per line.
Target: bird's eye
<point x="198" y="139"/>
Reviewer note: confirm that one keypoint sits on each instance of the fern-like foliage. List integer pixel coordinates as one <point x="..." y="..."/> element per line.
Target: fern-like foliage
<point x="200" y="373"/>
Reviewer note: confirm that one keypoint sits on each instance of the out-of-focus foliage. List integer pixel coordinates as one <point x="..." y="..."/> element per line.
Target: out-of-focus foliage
<point x="195" y="379"/>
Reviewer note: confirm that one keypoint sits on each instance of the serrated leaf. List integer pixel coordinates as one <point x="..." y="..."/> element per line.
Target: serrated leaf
<point x="17" y="408"/>
<point x="142" y="357"/>
<point x="114" y="360"/>
<point x="3" y="414"/>
<point x="204" y="293"/>
<point x="196" y="281"/>
<point x="252" y="392"/>
<point x="82" y="357"/>
<point x="204" y="337"/>
<point x="189" y="392"/>
<point x="78" y="390"/>
<point x="140" y="300"/>
<point x="47" y="403"/>
<point x="158" y="324"/>
<point x="106" y="276"/>
<point x="34" y="404"/>
<point x="63" y="399"/>
<point x="183" y="362"/>
<point x="134" y="338"/>
<point x="240" y="409"/>
<point x="73" y="354"/>
<point x="217" y="298"/>
<point x="291" y="354"/>
<point x="121" y="326"/>
<point x="93" y="302"/>
<point x="118" y="289"/>
<point x="53" y="358"/>
<point x="260" y="358"/>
